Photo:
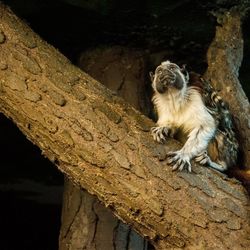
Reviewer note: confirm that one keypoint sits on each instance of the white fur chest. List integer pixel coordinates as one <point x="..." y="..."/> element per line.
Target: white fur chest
<point x="186" y="112"/>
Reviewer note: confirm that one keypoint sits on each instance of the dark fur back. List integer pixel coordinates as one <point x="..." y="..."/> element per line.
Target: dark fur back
<point x="225" y="140"/>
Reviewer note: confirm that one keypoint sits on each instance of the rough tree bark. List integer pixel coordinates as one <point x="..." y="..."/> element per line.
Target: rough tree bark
<point x="86" y="223"/>
<point x="226" y="50"/>
<point x="104" y="145"/>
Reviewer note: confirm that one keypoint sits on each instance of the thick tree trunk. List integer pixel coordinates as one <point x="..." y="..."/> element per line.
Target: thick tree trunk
<point x="122" y="70"/>
<point x="83" y="226"/>
<point x="226" y="51"/>
<point x="87" y="224"/>
<point x="104" y="145"/>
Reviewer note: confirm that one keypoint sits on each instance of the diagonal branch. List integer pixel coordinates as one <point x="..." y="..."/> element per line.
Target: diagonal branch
<point x="104" y="145"/>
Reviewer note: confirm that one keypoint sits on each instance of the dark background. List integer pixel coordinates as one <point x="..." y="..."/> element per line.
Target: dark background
<point x="30" y="186"/>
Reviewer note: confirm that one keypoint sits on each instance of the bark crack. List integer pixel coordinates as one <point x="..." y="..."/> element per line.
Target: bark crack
<point x="73" y="219"/>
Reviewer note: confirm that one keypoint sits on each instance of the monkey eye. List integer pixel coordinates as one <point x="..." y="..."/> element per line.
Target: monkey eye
<point x="159" y="71"/>
<point x="173" y="67"/>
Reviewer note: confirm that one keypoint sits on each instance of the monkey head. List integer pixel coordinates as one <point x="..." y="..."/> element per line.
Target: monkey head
<point x="169" y="77"/>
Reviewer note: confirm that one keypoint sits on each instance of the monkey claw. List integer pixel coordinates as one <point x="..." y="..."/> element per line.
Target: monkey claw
<point x="179" y="161"/>
<point x="160" y="133"/>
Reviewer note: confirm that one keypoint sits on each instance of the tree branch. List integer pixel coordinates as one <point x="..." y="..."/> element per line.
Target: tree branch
<point x="104" y="145"/>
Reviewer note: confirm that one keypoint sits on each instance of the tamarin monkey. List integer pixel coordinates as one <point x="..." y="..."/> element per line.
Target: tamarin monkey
<point x="187" y="105"/>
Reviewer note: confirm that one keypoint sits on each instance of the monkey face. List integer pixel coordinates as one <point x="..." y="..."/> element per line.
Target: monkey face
<point x="168" y="76"/>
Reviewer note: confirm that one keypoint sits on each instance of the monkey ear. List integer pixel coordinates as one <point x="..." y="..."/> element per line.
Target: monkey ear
<point x="183" y="68"/>
<point x="152" y="76"/>
<point x="185" y="72"/>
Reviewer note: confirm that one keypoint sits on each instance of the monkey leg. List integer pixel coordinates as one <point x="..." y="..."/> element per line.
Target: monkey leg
<point x="204" y="159"/>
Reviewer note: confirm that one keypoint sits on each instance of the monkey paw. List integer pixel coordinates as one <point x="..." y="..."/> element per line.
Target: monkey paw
<point x="179" y="161"/>
<point x="159" y="133"/>
<point x="202" y="158"/>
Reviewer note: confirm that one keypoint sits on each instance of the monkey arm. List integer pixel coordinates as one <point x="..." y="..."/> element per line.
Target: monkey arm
<point x="198" y="140"/>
